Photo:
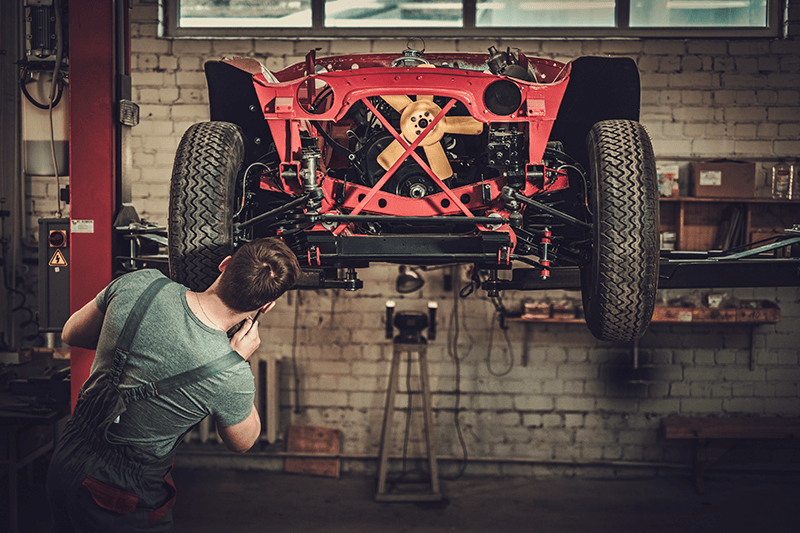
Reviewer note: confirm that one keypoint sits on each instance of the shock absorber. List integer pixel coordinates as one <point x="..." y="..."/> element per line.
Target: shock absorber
<point x="311" y="156"/>
<point x="545" y="260"/>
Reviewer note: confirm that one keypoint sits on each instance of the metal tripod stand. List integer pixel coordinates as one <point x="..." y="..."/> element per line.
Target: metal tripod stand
<point x="409" y="342"/>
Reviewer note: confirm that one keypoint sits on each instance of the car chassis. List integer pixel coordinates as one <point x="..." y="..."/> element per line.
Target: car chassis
<point x="428" y="159"/>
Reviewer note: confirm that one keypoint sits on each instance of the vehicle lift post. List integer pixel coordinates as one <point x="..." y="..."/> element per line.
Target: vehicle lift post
<point x="409" y="341"/>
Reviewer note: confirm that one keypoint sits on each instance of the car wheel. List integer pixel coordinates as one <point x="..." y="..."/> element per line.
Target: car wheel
<point x="619" y="275"/>
<point x="201" y="202"/>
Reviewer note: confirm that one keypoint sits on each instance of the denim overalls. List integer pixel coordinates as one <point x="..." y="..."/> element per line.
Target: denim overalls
<point x="94" y="485"/>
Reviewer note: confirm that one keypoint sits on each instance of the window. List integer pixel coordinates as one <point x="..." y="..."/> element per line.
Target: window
<point x="478" y="18"/>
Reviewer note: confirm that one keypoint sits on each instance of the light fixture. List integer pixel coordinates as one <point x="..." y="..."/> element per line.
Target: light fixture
<point x="408" y="280"/>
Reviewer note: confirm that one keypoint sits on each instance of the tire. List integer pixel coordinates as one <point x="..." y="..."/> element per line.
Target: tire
<point x="202" y="202"/>
<point x="619" y="275"/>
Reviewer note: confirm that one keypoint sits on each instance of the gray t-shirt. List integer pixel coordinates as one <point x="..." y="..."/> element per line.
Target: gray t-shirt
<point x="170" y="340"/>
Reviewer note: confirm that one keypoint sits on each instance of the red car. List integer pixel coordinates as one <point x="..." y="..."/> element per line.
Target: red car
<point x="498" y="160"/>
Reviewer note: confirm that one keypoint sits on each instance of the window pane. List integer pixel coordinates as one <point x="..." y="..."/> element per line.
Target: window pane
<point x="688" y="13"/>
<point x="244" y="14"/>
<point x="544" y="13"/>
<point x="392" y="13"/>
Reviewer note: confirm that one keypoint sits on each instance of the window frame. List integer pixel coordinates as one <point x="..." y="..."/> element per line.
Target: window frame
<point x="317" y="30"/>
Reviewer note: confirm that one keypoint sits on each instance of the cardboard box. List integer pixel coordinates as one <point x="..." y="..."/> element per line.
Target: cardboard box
<point x="724" y="179"/>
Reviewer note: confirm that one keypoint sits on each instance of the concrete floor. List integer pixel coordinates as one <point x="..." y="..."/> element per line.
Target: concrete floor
<point x="242" y="502"/>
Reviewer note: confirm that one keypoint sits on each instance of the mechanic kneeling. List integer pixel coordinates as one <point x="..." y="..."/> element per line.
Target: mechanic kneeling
<point x="163" y="363"/>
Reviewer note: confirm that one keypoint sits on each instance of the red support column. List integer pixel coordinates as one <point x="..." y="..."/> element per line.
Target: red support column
<point x="92" y="159"/>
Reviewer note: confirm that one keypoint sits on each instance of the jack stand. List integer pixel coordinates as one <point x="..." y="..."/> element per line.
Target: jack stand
<point x="383" y="494"/>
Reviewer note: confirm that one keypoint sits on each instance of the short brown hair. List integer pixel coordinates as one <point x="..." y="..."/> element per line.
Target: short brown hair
<point x="257" y="274"/>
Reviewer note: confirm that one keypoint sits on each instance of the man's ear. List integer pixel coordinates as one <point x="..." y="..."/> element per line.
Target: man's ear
<point x="267" y="307"/>
<point x="224" y="264"/>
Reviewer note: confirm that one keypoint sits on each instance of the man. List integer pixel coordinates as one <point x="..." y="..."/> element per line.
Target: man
<point x="163" y="363"/>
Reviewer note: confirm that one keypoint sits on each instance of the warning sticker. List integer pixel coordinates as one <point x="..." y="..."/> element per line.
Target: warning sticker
<point x="58" y="260"/>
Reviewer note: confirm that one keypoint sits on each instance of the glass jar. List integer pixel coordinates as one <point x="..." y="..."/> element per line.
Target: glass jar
<point x="782" y="179"/>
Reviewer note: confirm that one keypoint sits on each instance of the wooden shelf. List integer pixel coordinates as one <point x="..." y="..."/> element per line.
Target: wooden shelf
<point x="693" y="199"/>
<point x="702" y="224"/>
<point x="753" y="312"/>
<point x="654" y="321"/>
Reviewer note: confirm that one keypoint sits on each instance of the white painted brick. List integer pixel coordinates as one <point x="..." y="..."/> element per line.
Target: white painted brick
<point x="166" y="62"/>
<point x="232" y="48"/>
<point x="148" y="128"/>
<point x="733" y="81"/>
<point x="273" y="47"/>
<point x="784" y="80"/>
<point x="689" y="130"/>
<point x="566" y="403"/>
<point x="725" y="64"/>
<point x="470" y="46"/>
<point x="701" y="390"/>
<point x="152" y="46"/>
<point x="787" y="390"/>
<point x="532" y="403"/>
<point x="789" y="63"/>
<point x="692" y="64"/>
<point x="664" y="47"/>
<point x="190" y="63"/>
<point x="195" y="78"/>
<point x="153" y="112"/>
<point x="562" y="48"/>
<point x="783" y="114"/>
<point x="713" y="147"/>
<point x="665" y="148"/>
<point x="301" y="48"/>
<point x="146" y="95"/>
<point x="672" y="405"/>
<point x="752" y="148"/>
<point x="748" y="406"/>
<point x="782" y="406"/>
<point x="146" y="62"/>
<point x="744" y="130"/>
<point x="529" y="47"/>
<point x="767" y="130"/>
<point x="621" y="47"/>
<point x="672" y="64"/>
<point x="650" y="80"/>
<point x="701" y="405"/>
<point x="768" y="64"/>
<point x="190" y="47"/>
<point x="707" y="47"/>
<point x="692" y="98"/>
<point x="695" y="80"/>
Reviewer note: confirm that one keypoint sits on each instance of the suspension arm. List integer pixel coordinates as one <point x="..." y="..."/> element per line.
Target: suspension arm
<point x="555" y="213"/>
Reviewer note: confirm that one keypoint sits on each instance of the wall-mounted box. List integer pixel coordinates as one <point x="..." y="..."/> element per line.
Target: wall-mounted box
<point x="54" y="259"/>
<point x="724" y="179"/>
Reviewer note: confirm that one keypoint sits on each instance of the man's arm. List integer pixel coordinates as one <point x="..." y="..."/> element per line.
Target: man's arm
<point x="242" y="436"/>
<point x="83" y="327"/>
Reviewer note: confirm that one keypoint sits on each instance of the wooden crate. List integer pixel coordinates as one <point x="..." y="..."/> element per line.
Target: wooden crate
<point x="309" y="439"/>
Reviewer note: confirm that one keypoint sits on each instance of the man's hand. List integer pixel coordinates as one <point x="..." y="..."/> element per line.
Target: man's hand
<point x="246" y="340"/>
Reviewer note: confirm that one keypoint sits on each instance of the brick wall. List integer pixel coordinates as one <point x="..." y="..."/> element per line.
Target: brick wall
<point x="563" y="396"/>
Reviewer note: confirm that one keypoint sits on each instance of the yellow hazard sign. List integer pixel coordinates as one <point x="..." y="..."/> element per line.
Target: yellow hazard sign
<point x="58" y="260"/>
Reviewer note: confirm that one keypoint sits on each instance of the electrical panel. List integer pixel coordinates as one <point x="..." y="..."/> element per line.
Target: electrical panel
<point x="54" y="259"/>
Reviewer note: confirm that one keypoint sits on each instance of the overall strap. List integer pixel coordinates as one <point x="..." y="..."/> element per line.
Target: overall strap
<point x="137" y="313"/>
<point x="131" y="326"/>
<point x="181" y="380"/>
